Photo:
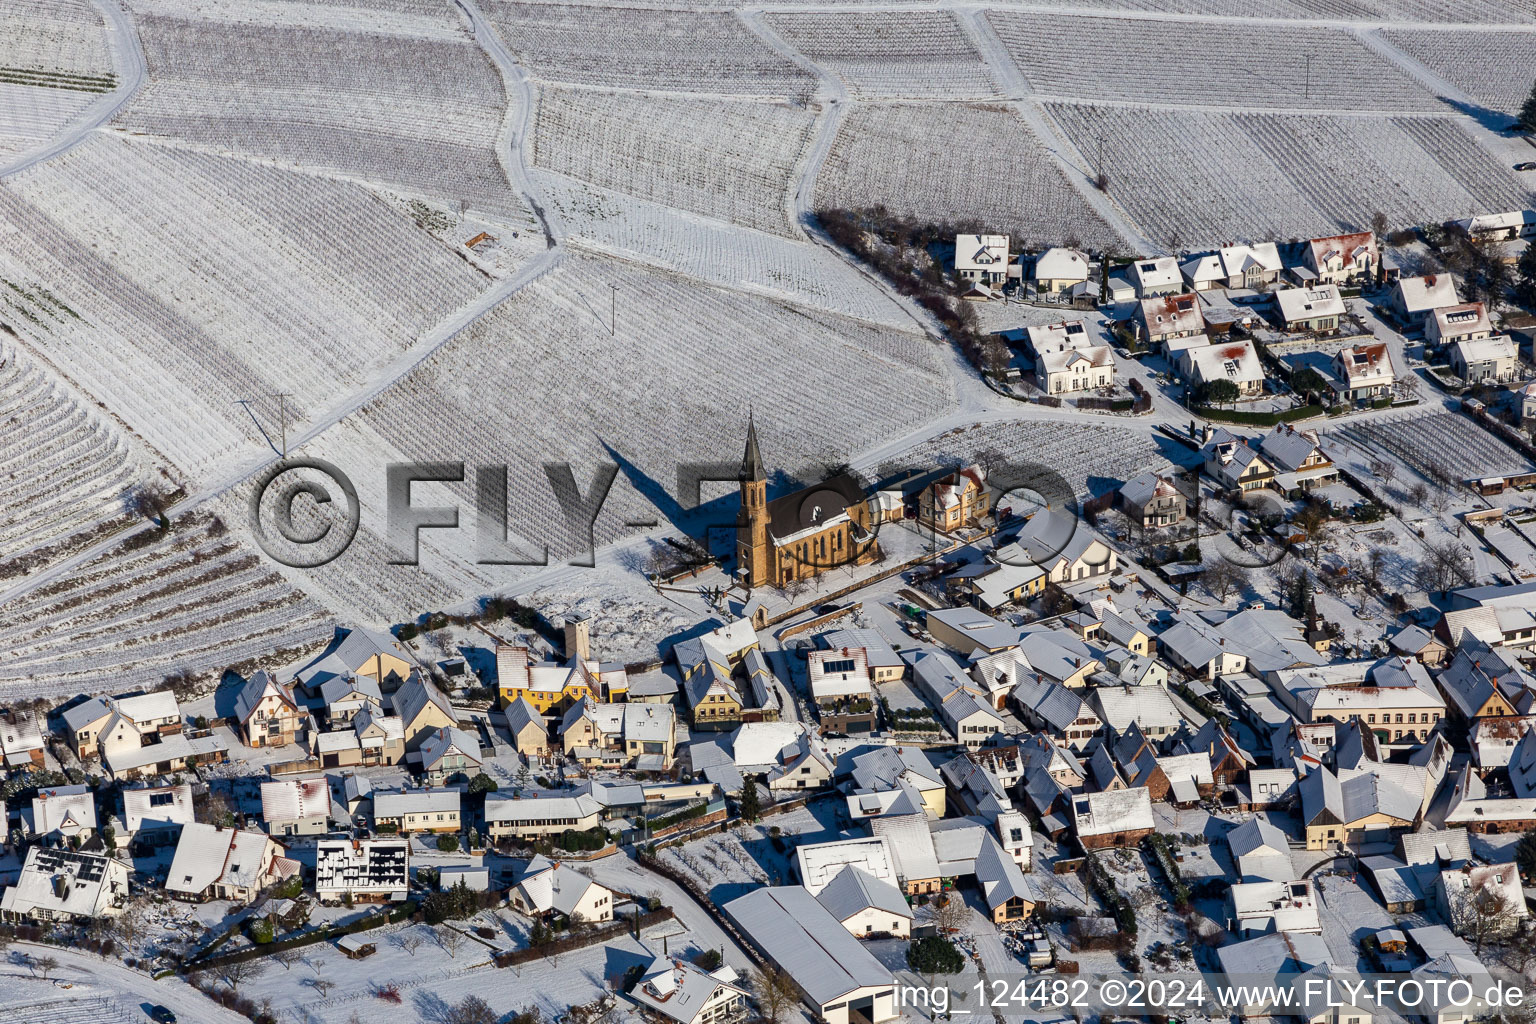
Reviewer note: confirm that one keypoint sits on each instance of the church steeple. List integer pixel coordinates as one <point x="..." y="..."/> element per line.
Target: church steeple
<point x="752" y="460"/>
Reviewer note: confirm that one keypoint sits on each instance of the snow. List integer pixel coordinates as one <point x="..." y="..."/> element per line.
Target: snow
<point x="946" y="161"/>
<point x="54" y="36"/>
<point x="727" y="159"/>
<point x="1489" y="65"/>
<point x="890" y="53"/>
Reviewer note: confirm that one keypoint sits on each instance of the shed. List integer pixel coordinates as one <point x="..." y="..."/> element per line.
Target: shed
<point x="356" y="947"/>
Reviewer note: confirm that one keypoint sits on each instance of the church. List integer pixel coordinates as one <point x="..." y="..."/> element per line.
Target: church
<point x="800" y="535"/>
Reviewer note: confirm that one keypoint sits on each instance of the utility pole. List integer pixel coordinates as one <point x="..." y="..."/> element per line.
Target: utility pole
<point x="613" y="311"/>
<point x="282" y="405"/>
<point x="1309" y="77"/>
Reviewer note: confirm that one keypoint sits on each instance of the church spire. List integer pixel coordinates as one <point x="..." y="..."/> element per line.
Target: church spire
<point x="752" y="460"/>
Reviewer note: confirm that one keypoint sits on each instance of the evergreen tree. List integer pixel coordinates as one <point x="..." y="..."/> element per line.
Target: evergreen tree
<point x="750" y="805"/>
<point x="1525" y="285"/>
<point x="1528" y="112"/>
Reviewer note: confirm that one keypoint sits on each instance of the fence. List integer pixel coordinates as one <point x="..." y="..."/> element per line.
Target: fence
<point x="588" y="937"/>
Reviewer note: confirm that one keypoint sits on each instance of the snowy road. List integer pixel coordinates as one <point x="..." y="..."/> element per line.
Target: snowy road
<point x="127" y="64"/>
<point x="94" y="975"/>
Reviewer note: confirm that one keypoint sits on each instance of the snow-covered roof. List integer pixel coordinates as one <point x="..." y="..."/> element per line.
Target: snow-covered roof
<point x="1499" y="348"/>
<point x="853" y="890"/>
<point x="1310" y="303"/>
<point x="396" y="803"/>
<point x="68" y="810"/>
<point x="443" y="742"/>
<point x="1059" y="264"/>
<point x="1431" y="291"/>
<point x="415" y="694"/>
<point x="807" y="942"/>
<point x="1236" y="361"/>
<point x="150" y="807"/>
<point x="1121" y="810"/>
<point x="63" y="882"/>
<point x="1156" y="273"/>
<point x="1172" y="314"/>
<point x="257" y="688"/>
<point x="1462" y="319"/>
<point x="981" y="252"/>
<point x="295" y="800"/>
<point x="681" y="991"/>
<point x="501" y="807"/>
<point x="1236" y="260"/>
<point x="1139" y="490"/>
<point x="207" y="854"/>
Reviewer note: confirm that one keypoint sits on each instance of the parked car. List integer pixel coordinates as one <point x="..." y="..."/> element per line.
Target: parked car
<point x="162" y="1014"/>
<point x="1529" y="165"/>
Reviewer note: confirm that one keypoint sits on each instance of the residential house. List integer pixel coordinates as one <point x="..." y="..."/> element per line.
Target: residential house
<point x="1004" y="889"/>
<point x="842" y="689"/>
<point x="900" y="777"/>
<point x="949" y="691"/>
<point x="1483" y="681"/>
<point x="62" y="885"/>
<point x="1316" y="310"/>
<point x="404" y="811"/>
<point x="1340" y="259"/>
<point x="1360" y="804"/>
<point x="1261" y="907"/>
<point x="990" y="585"/>
<point x="1061" y="271"/>
<point x="1420" y="644"/>
<point x="447" y="753"/>
<point x="362" y="870"/>
<point x="1298" y="459"/>
<point x="1118" y="818"/>
<point x="1500" y="615"/>
<point x="422" y="709"/>
<point x="967" y="630"/>
<point x="529" y="817"/>
<point x="1484" y="900"/>
<point x="214" y="863"/>
<point x="685" y="993"/>
<point x="155" y="814"/>
<point x="1466" y="321"/>
<point x="1261" y="851"/>
<point x="982" y="259"/>
<point x="1016" y="838"/>
<point x="1204" y="272"/>
<point x="1237" y="362"/>
<point x="1166" y="318"/>
<point x="1234" y="464"/>
<point x="1487" y="360"/>
<point x="1250" y="266"/>
<point x="267" y="713"/>
<point x="1493" y="227"/>
<point x="958" y="500"/>
<point x="726" y="679"/>
<point x="530" y="732"/>
<point x="550" y="888"/>
<point x="1150" y="708"/>
<point x="1414" y="299"/>
<point x="1062" y="545"/>
<point x="1362" y="372"/>
<point x="549" y="686"/>
<point x="1151" y="501"/>
<point x="106" y="725"/>
<point x="1074" y="370"/>
<point x="296" y="807"/>
<point x="1158" y="276"/>
<point x="867" y="906"/>
<point x="1049" y="706"/>
<point x="62" y="813"/>
<point x="622" y="734"/>
<point x="885" y="665"/>
<point x="358" y="653"/>
<point x="346" y="697"/>
<point x="817" y="864"/>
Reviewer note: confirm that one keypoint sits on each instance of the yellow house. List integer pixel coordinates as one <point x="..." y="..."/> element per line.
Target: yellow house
<point x="550" y="687"/>
<point x="361" y="652"/>
<point x="959" y="500"/>
<point x="422" y="709"/>
<point x="710" y="666"/>
<point x="530" y="731"/>
<point x="1355" y="805"/>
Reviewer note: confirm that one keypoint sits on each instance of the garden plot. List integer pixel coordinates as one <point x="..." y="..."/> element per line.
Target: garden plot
<point x="1443" y="446"/>
<point x="1170" y="61"/>
<point x="630" y="47"/>
<point x="196" y="281"/>
<point x="64" y="467"/>
<point x="727" y="159"/>
<point x="728" y="864"/>
<point x="419" y="114"/>
<point x="1491" y="67"/>
<point x="891" y="53"/>
<point x="957" y="161"/>
<point x="196" y="599"/>
<point x="1080" y="452"/>
<point x="670" y="387"/>
<point x="714" y="252"/>
<point x="625" y="627"/>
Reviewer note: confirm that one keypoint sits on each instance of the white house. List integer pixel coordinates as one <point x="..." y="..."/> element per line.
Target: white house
<point x="1251" y="266"/>
<point x="1317" y="309"/>
<point x="1167" y="317"/>
<point x="1158" y="276"/>
<point x="1414" y="299"/>
<point x="982" y="259"/>
<point x="1363" y="372"/>
<point x="1272" y="907"/>
<point x="156" y="810"/>
<point x="550" y="887"/>
<point x="687" y="994"/>
<point x="1235" y="361"/>
<point x="1059" y="270"/>
<point x="1466" y="321"/>
<point x="1486" y="360"/>
<point x="1500" y="226"/>
<point x="63" y="812"/>
<point x="1487" y="896"/>
<point x="296" y="807"/>
<point x="225" y="864"/>
<point x="866" y="905"/>
<point x="1059" y="373"/>
<point x="1340" y="258"/>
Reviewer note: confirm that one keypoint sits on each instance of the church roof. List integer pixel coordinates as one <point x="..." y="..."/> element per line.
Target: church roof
<point x="752" y="459"/>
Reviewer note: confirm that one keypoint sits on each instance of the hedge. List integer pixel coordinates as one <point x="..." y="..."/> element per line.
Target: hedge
<point x="1257" y="419"/>
<point x="324" y="934"/>
<point x="1103" y="886"/>
<point x="1162" y="852"/>
<point x="678" y="817"/>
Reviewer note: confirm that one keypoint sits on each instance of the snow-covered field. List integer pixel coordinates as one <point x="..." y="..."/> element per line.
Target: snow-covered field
<point x="1271" y="175"/>
<point x="1491" y="66"/>
<point x="1494" y="11"/>
<point x="1162" y="61"/>
<point x="938" y="161"/>
<point x="415" y="113"/>
<point x="890" y="53"/>
<point x="199" y="599"/>
<point x="727" y="159"/>
<point x="200" y="281"/>
<point x="641" y="48"/>
<point x="53" y="36"/>
<point x="1439" y="445"/>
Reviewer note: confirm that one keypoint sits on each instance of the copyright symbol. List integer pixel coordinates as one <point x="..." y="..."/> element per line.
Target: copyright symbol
<point x="1113" y="993"/>
<point x="309" y="533"/>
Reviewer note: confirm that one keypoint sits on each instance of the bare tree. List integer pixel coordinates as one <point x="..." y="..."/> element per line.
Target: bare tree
<point x="1312" y="521"/>
<point x="451" y="939"/>
<point x="237" y="971"/>
<point x="473" y="1010"/>
<point x="951" y="915"/>
<point x="288" y="957"/>
<point x="1419" y="493"/>
<point x="45" y="965"/>
<point x="1221" y="578"/>
<point x="1483" y="911"/>
<point x="775" y="993"/>
<point x="322" y="986"/>
<point x="408" y="941"/>
<point x="1446" y="565"/>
